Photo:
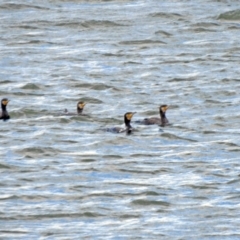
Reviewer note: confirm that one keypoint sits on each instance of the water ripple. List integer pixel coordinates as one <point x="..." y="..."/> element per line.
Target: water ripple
<point x="63" y="176"/>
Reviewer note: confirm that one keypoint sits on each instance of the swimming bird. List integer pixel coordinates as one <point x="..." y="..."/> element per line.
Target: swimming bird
<point x="162" y="121"/>
<point x="127" y="120"/>
<point x="4" y="115"/>
<point x="80" y="107"/>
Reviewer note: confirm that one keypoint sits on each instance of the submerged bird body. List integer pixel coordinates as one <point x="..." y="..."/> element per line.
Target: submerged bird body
<point x="80" y="107"/>
<point x="127" y="120"/>
<point x="4" y="115"/>
<point x="162" y="121"/>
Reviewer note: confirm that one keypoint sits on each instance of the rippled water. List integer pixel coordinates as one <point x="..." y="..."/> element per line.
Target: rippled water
<point x="64" y="177"/>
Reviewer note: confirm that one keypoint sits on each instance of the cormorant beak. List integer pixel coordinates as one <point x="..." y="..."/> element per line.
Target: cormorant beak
<point x="133" y="114"/>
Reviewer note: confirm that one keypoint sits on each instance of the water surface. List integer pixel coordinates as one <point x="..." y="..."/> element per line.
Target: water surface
<point x="64" y="177"/>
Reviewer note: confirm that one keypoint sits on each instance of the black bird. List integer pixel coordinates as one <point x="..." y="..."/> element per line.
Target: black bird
<point x="4" y="115"/>
<point x="80" y="107"/>
<point x="162" y="121"/>
<point x="127" y="120"/>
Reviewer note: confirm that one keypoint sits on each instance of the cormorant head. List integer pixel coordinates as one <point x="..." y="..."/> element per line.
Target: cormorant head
<point x="4" y="101"/>
<point x="163" y="108"/>
<point x="80" y="106"/>
<point x="127" y="117"/>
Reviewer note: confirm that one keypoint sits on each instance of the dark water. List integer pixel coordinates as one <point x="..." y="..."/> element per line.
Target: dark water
<point x="63" y="177"/>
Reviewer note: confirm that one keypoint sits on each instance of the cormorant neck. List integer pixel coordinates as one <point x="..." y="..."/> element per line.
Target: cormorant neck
<point x="4" y="107"/>
<point x="162" y="114"/>
<point x="127" y="123"/>
<point x="79" y="110"/>
<point x="128" y="126"/>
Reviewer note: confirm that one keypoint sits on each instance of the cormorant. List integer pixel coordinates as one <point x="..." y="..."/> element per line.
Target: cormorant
<point x="80" y="107"/>
<point x="162" y="121"/>
<point x="4" y="115"/>
<point x="127" y="120"/>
